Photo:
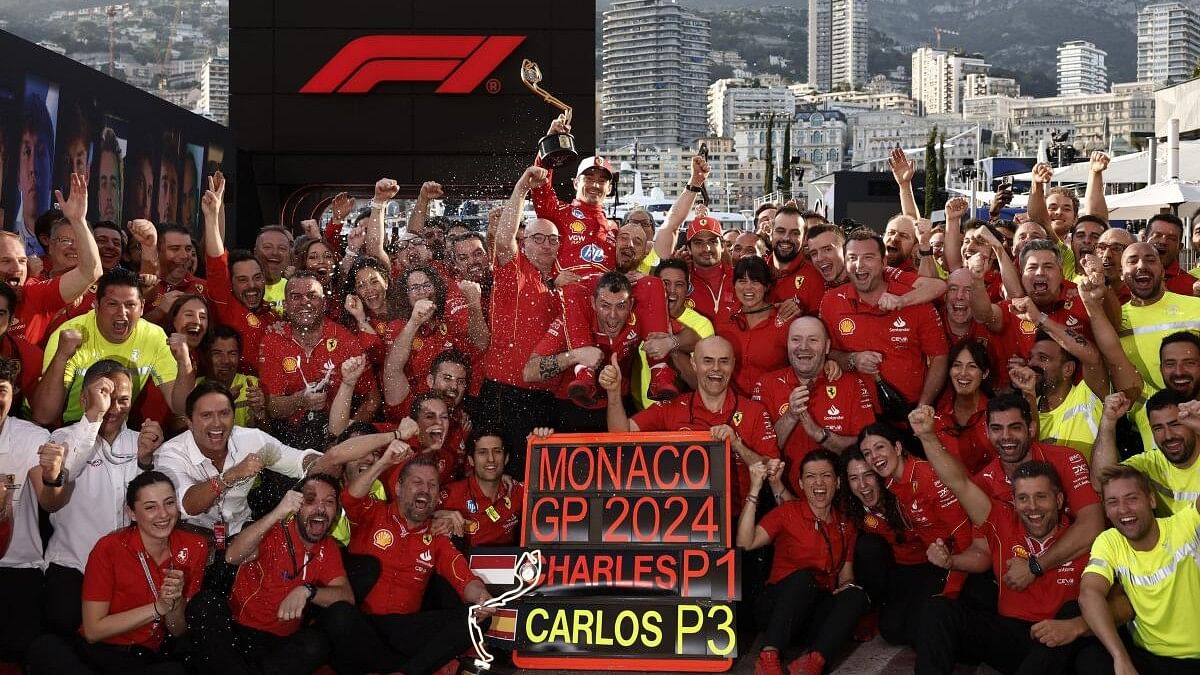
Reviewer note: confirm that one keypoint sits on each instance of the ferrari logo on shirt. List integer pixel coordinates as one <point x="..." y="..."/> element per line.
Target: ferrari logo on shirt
<point x="578" y="227"/>
<point x="1028" y="327"/>
<point x="1020" y="551"/>
<point x="427" y="539"/>
<point x="442" y="328"/>
<point x="831" y="391"/>
<point x="182" y="556"/>
<point x="331" y="344"/>
<point x="290" y="365"/>
<point x="252" y="321"/>
<point x="846" y="326"/>
<point x="507" y="502"/>
<point x="383" y="539"/>
<point x="799" y="281"/>
<point x="737" y="418"/>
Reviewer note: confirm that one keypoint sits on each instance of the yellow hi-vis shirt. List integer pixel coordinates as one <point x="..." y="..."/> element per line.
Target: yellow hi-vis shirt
<point x="1163" y="584"/>
<point x="145" y="353"/>
<point x="241" y="406"/>
<point x="1143" y="329"/>
<point x="273" y="295"/>
<point x="1174" y="486"/>
<point x="690" y="318"/>
<point x="1075" y="423"/>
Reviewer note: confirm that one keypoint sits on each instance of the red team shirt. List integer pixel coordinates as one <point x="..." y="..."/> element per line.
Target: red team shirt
<point x="250" y="325"/>
<point x="1072" y="471"/>
<point x="843" y="406"/>
<point x="906" y="337"/>
<point x="799" y="279"/>
<point x="40" y="300"/>
<point x="756" y="350"/>
<point x="588" y="239"/>
<point x="115" y="575"/>
<point x="910" y="551"/>
<point x="408" y="555"/>
<point x="712" y="292"/>
<point x="488" y="523"/>
<point x="624" y="345"/>
<point x="968" y="442"/>
<point x="933" y="512"/>
<point x="748" y="418"/>
<point x="284" y="368"/>
<point x="1017" y="335"/>
<point x="804" y="543"/>
<point x="522" y="310"/>
<point x="260" y="586"/>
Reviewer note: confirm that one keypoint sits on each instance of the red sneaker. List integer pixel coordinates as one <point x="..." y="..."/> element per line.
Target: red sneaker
<point x="662" y="384"/>
<point x="582" y="390"/>
<point x="811" y="663"/>
<point x="768" y="663"/>
<point x="867" y="627"/>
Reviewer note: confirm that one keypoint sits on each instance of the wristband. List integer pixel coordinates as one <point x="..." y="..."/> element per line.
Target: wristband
<point x="216" y="486"/>
<point x="927" y="251"/>
<point x="1035" y="567"/>
<point x="824" y="436"/>
<point x="692" y="188"/>
<point x="378" y="205"/>
<point x="57" y="482"/>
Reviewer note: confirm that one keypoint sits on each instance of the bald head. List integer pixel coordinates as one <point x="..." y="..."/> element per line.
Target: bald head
<point x="808" y="344"/>
<point x="900" y="239"/>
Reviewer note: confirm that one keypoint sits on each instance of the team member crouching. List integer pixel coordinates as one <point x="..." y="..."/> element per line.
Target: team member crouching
<point x="391" y="632"/>
<point x="136" y="586"/>
<point x="811" y="587"/>
<point x="286" y="561"/>
<point x="483" y="506"/>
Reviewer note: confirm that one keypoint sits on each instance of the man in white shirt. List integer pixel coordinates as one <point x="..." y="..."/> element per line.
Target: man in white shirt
<point x="96" y="457"/>
<point x="22" y="565"/>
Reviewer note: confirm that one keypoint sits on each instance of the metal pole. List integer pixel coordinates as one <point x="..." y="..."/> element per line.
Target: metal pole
<point x="975" y="180"/>
<point x="1152" y="152"/>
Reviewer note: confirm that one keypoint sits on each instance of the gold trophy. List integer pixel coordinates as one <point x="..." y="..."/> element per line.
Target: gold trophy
<point x="554" y="150"/>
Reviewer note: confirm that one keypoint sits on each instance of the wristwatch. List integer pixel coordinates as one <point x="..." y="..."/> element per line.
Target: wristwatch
<point x="692" y="188"/>
<point x="312" y="591"/>
<point x="1035" y="567"/>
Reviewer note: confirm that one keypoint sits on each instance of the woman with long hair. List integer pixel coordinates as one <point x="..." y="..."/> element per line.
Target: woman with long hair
<point x="758" y="336"/>
<point x="811" y="589"/>
<point x="962" y="409"/>
<point x="136" y="587"/>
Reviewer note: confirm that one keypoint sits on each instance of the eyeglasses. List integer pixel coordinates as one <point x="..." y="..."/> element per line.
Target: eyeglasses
<point x="65" y="241"/>
<point x="427" y="286"/>
<point x="639" y="221"/>
<point x="411" y="243"/>
<point x="542" y="239"/>
<point x="1115" y="248"/>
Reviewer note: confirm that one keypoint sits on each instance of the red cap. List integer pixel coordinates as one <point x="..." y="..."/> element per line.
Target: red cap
<point x="703" y="224"/>
<point x="595" y="162"/>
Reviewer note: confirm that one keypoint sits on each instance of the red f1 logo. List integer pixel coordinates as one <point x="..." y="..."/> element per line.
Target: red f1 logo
<point x="459" y="62"/>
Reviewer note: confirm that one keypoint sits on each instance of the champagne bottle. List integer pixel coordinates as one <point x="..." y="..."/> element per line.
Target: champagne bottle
<point x="892" y="406"/>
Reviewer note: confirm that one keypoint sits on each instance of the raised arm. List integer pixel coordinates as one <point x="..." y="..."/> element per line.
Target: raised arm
<point x="952" y="473"/>
<point x="1104" y="452"/>
<point x="76" y="281"/>
<point x="385" y="189"/>
<point x="1125" y="377"/>
<point x="903" y="170"/>
<point x="50" y="397"/>
<point x="430" y="190"/>
<point x="1036" y="208"/>
<point x="244" y="547"/>
<point x="510" y="218"/>
<point x="211" y="205"/>
<point x="956" y="208"/>
<point x="340" y="410"/>
<point x="664" y="239"/>
<point x="478" y="332"/>
<point x="750" y="535"/>
<point x="1093" y="197"/>
<point x="1071" y="341"/>
<point x="394" y="454"/>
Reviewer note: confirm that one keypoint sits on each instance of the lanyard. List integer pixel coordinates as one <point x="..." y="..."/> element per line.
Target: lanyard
<point x="297" y="572"/>
<point x="716" y="297"/>
<point x="841" y="560"/>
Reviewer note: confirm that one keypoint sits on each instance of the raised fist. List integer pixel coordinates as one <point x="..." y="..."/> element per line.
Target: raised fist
<point x="921" y="420"/>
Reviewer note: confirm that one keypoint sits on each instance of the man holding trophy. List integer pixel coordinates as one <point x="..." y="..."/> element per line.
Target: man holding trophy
<point x="589" y="249"/>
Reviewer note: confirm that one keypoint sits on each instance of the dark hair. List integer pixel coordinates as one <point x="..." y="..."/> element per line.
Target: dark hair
<point x="220" y="331"/>
<point x="821" y="228"/>
<point x="8" y="293"/>
<point x="104" y="368"/>
<point x="1036" y="468"/>
<point x="171" y="228"/>
<point x="203" y="389"/>
<point x="806" y="214"/>
<point x="673" y="264"/>
<point x="177" y="307"/>
<point x="1177" y="337"/>
<point x="305" y="274"/>
<point x="110" y="225"/>
<point x="853" y="506"/>
<point x="46" y="223"/>
<point x="357" y="429"/>
<point x="979" y="353"/>
<point x="328" y="479"/>
<point x="422" y="398"/>
<point x="1166" y="218"/>
<point x="865" y="234"/>
<point x="420" y="460"/>
<point x="1089" y="218"/>
<point x="613" y="282"/>
<point x="144" y="479"/>
<point x="1120" y="471"/>
<point x="755" y="269"/>
<point x="389" y="294"/>
<point x="1164" y="398"/>
<point x="789" y="210"/>
<point x="468" y="236"/>
<point x="882" y="429"/>
<point x="451" y="356"/>
<point x="818" y="455"/>
<point x="241" y="255"/>
<point x="763" y="207"/>
<point x="1010" y="400"/>
<point x="438" y="223"/>
<point x="300" y="250"/>
<point x="10" y="371"/>
<point x="484" y="432"/>
<point x="439" y="291"/>
<point x="117" y="276"/>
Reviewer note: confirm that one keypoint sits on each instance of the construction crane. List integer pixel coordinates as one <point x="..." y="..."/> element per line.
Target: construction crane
<point x="165" y="59"/>
<point x="111" y="12"/>
<point x="938" y="33"/>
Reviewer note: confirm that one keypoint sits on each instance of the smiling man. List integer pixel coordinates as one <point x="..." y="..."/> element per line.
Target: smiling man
<point x="482" y="507"/>
<point x="1153" y="313"/>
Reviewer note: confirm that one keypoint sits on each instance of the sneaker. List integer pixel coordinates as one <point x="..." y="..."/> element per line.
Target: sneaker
<point x="811" y="663"/>
<point x="768" y="663"/>
<point x="662" y="384"/>
<point x="582" y="390"/>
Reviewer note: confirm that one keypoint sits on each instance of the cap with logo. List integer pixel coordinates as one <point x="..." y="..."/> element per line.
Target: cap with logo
<point x="595" y="162"/>
<point x="703" y="224"/>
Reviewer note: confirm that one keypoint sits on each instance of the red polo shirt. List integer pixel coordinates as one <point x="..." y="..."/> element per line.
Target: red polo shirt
<point x="285" y="368"/>
<point x="758" y="350"/>
<point x="249" y="324"/>
<point x="408" y="554"/>
<point x="29" y="360"/>
<point x="906" y="337"/>
<point x="488" y="522"/>
<point x="930" y="506"/>
<point x="114" y="574"/>
<point x="191" y="284"/>
<point x="970" y="440"/>
<point x="1007" y="538"/>
<point x="588" y="239"/>
<point x="522" y="310"/>
<point x="624" y="345"/>
<point x="40" y="300"/>
<point x="843" y="406"/>
<point x="910" y="551"/>
<point x="261" y="585"/>
<point x="1072" y="471"/>
<point x="748" y="418"/>
<point x="802" y="542"/>
<point x="712" y="291"/>
<point x="1017" y="335"/>
<point x="433" y="337"/>
<point x="1176" y="280"/>
<point x="799" y="279"/>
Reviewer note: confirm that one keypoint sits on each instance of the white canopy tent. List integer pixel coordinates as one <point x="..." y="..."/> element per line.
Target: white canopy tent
<point x="1131" y="168"/>
<point x="1183" y="197"/>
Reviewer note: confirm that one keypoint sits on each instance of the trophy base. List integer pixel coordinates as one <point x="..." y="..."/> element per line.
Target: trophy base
<point x="557" y="150"/>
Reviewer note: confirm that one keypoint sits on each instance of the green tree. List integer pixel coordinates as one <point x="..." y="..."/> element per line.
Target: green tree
<point x="769" y="173"/>
<point x="941" y="173"/>
<point x="931" y="171"/>
<point x="785" y="172"/>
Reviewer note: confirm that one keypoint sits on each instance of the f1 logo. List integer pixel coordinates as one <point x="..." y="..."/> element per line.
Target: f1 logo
<point x="459" y="62"/>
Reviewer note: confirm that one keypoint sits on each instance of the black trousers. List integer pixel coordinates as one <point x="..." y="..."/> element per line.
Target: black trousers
<point x="417" y="644"/>
<point x="57" y="655"/>
<point x="898" y="591"/>
<point x="515" y="412"/>
<point x="362" y="571"/>
<point x="798" y="606"/>
<point x="227" y="648"/>
<point x="64" y="599"/>
<point x="21" y="621"/>
<point x="951" y="631"/>
<point x="1148" y="663"/>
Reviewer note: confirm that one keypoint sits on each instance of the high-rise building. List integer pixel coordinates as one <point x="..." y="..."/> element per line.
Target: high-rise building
<point x="729" y="99"/>
<point x="1168" y="42"/>
<point x="837" y="43"/>
<point x="655" y="56"/>
<point x="214" y="89"/>
<point x="939" y="79"/>
<point x="1081" y="69"/>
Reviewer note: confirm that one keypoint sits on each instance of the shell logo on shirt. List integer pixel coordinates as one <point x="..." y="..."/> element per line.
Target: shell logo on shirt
<point x="417" y="343"/>
<point x="871" y="521"/>
<point x="784" y="408"/>
<point x="472" y="527"/>
<point x="1027" y="327"/>
<point x="290" y="365"/>
<point x="252" y="321"/>
<point x="846" y="326"/>
<point x="1020" y="551"/>
<point x="578" y="227"/>
<point x="383" y="539"/>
